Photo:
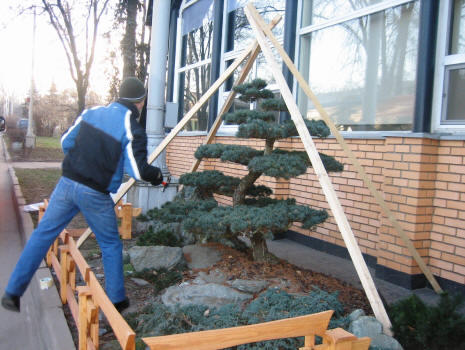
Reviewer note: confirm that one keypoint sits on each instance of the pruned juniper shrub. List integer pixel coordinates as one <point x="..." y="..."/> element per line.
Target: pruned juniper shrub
<point x="161" y="237"/>
<point x="273" y="304"/>
<point x="253" y="214"/>
<point x="419" y="326"/>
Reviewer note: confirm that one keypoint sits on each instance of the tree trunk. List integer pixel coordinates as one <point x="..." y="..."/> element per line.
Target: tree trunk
<point x="259" y="248"/>
<point x="128" y="44"/>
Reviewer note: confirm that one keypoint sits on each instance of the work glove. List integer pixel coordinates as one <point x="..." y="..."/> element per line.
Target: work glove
<point x="157" y="179"/>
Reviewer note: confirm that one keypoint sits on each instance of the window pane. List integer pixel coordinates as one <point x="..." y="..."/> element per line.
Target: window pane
<point x="363" y="71"/>
<point x="242" y="35"/>
<point x="318" y="11"/>
<point x="198" y="44"/>
<point x="454" y="96"/>
<point x="196" y="83"/>
<point x="457" y="41"/>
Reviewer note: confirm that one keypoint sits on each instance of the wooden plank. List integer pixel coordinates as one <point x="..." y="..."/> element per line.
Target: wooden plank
<point x="361" y="344"/>
<point x="182" y="123"/>
<point x="255" y="50"/>
<point x="123" y="333"/>
<point x="81" y="263"/>
<point x="227" y="337"/>
<point x="368" y="183"/>
<point x="82" y="324"/>
<point x="72" y="304"/>
<point x="320" y="171"/>
<point x="56" y="267"/>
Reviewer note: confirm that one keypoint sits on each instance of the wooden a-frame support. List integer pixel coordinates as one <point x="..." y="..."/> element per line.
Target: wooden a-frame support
<point x="263" y="31"/>
<point x="368" y="183"/>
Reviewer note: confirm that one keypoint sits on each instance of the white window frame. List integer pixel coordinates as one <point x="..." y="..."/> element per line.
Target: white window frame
<point x="230" y="56"/>
<point x="366" y="11"/>
<point x="178" y="69"/>
<point x="444" y="62"/>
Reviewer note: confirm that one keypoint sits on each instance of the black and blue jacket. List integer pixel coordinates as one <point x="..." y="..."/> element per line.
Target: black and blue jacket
<point x="104" y="143"/>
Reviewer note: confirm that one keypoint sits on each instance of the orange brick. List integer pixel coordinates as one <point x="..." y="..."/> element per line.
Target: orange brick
<point x="453" y="277"/>
<point x="453" y="258"/>
<point x="442" y="247"/>
<point x="443" y="265"/>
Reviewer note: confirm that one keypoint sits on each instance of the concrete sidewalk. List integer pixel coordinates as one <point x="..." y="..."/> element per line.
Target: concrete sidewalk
<point x="41" y="323"/>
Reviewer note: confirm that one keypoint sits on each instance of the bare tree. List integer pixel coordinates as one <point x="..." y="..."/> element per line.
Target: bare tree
<point x="79" y="44"/>
<point x="134" y="48"/>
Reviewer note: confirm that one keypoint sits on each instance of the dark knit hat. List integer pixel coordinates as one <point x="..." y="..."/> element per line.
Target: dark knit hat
<point x="132" y="90"/>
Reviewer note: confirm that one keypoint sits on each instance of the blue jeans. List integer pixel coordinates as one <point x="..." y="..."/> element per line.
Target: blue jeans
<point x="68" y="198"/>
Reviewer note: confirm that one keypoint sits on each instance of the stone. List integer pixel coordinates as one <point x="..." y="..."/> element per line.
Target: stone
<point x="248" y="286"/>
<point x="210" y="294"/>
<point x="384" y="342"/>
<point x="140" y="282"/>
<point x="366" y="326"/>
<point x="215" y="276"/>
<point x="356" y="314"/>
<point x="200" y="257"/>
<point x="155" y="257"/>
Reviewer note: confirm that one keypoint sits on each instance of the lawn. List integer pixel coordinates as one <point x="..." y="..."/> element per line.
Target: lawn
<point x="47" y="149"/>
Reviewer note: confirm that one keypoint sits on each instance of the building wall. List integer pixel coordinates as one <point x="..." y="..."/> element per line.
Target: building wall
<point x="422" y="179"/>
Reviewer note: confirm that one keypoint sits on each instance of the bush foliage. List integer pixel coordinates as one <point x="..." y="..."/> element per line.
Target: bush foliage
<point x="271" y="305"/>
<point x="419" y="326"/>
<point x="254" y="213"/>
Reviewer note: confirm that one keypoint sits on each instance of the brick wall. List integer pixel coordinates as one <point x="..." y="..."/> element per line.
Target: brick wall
<point x="421" y="179"/>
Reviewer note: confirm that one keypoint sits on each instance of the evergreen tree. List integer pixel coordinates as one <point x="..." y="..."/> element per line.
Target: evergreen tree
<point x="254" y="214"/>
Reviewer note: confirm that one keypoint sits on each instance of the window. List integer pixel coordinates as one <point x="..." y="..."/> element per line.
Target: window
<point x="238" y="36"/>
<point x="194" y="70"/>
<point x="449" y="105"/>
<point x="360" y="61"/>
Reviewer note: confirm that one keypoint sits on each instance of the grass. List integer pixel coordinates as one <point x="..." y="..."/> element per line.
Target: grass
<point x="48" y="149"/>
<point x="37" y="185"/>
<point x="48" y="142"/>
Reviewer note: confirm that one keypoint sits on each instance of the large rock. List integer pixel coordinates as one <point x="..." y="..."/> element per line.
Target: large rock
<point x="200" y="257"/>
<point x="155" y="257"/>
<point x="384" y="342"/>
<point x="210" y="294"/>
<point x="248" y="286"/>
<point x="366" y="326"/>
<point x="369" y="326"/>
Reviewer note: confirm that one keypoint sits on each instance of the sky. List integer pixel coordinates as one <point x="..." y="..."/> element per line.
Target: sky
<point x="50" y="63"/>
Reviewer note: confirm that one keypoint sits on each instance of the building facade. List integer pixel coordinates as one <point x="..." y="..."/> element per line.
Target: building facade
<point x="391" y="74"/>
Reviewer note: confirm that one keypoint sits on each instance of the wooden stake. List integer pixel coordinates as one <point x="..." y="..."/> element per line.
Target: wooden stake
<point x="368" y="183"/>
<point x="320" y="171"/>
<point x="160" y="148"/>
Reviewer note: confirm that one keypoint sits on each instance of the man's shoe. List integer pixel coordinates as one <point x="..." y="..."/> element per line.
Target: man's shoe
<point x="122" y="305"/>
<point x="10" y="302"/>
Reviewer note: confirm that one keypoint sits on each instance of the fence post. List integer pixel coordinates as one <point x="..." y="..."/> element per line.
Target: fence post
<point x="64" y="251"/>
<point x="83" y="329"/>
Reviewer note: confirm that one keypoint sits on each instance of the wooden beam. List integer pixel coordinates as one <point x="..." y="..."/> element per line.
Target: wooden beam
<point x="182" y="123"/>
<point x="232" y="94"/>
<point x="368" y="183"/>
<point x="228" y="337"/>
<point x="320" y="171"/>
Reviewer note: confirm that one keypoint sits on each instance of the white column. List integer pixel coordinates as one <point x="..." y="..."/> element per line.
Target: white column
<point x="157" y="78"/>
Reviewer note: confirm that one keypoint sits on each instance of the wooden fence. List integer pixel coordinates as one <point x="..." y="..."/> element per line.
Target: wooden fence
<point x="308" y="326"/>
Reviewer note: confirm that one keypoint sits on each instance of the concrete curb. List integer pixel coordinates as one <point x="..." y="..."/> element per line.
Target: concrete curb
<point x="49" y="317"/>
